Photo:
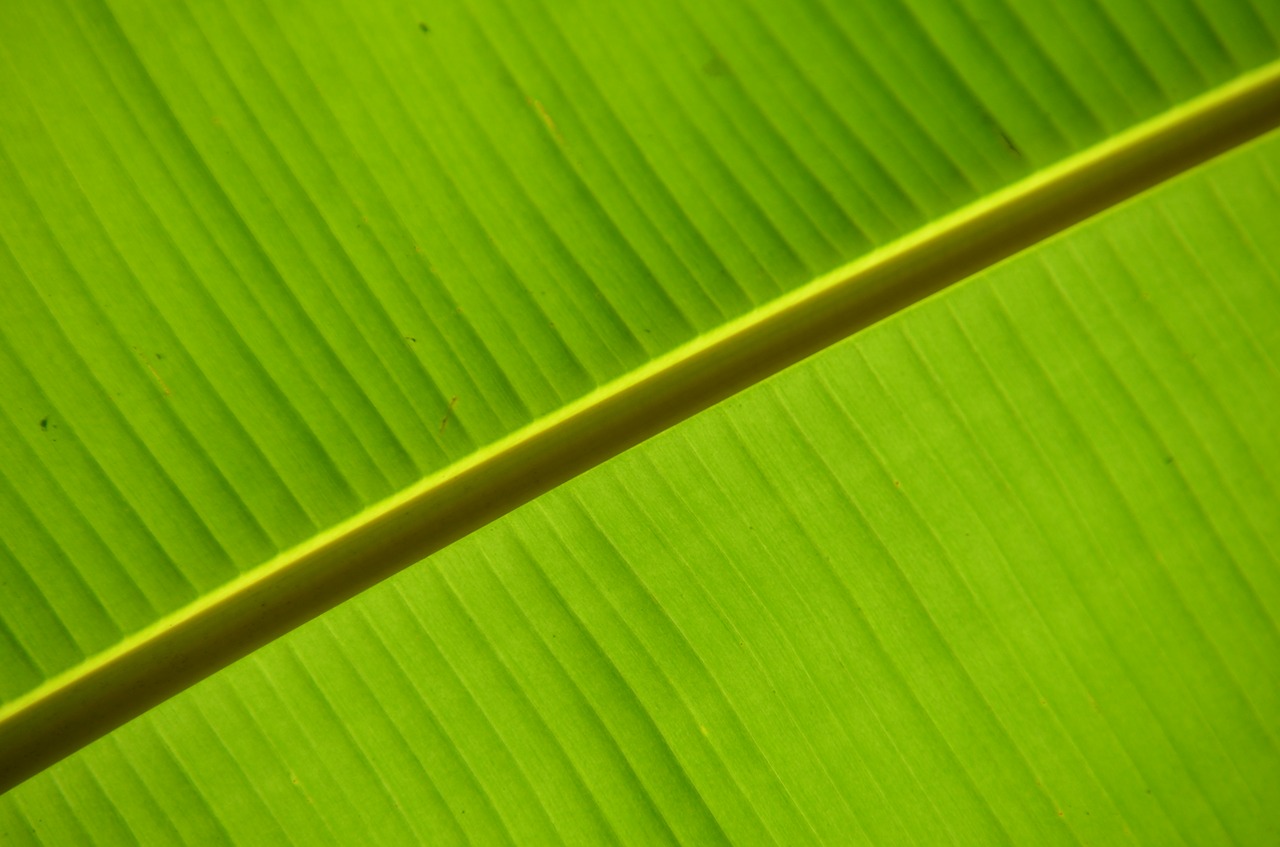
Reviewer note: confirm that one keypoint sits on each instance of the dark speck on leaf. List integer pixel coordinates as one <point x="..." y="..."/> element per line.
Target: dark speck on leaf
<point x="1168" y="460"/>
<point x="1008" y="142"/>
<point x="44" y="424"/>
<point x="159" y="355"/>
<point x="444" y="422"/>
<point x="411" y="338"/>
<point x="716" y="66"/>
<point x="422" y="26"/>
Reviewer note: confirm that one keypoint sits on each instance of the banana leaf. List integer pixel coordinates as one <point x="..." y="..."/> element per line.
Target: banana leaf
<point x="297" y="294"/>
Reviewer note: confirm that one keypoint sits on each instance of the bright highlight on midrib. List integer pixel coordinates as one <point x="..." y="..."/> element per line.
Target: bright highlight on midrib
<point x="156" y="662"/>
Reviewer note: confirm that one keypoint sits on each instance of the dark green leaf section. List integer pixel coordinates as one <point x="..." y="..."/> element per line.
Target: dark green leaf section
<point x="1002" y="569"/>
<point x="267" y="263"/>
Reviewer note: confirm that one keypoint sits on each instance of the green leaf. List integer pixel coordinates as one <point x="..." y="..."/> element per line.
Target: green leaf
<point x="297" y="295"/>
<point x="1000" y="569"/>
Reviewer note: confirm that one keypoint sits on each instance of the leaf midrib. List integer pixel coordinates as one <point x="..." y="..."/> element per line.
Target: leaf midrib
<point x="87" y="701"/>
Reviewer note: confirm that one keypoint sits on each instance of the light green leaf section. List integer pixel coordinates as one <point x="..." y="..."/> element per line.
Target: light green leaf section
<point x="1002" y="569"/>
<point x="263" y="265"/>
<point x="268" y="263"/>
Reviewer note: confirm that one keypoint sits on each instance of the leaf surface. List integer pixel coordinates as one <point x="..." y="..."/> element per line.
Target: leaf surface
<point x="269" y="265"/>
<point x="1002" y="569"/>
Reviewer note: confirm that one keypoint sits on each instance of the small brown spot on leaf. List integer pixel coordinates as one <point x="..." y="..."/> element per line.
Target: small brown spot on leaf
<point x="444" y="422"/>
<point x="717" y="66"/>
<point x="154" y="372"/>
<point x="1008" y="142"/>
